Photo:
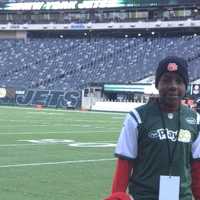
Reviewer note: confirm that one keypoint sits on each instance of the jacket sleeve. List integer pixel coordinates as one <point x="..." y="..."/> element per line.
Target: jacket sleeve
<point x="122" y="174"/>
<point x="196" y="179"/>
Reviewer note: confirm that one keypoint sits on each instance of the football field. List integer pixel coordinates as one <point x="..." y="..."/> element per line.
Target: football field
<point x="51" y="154"/>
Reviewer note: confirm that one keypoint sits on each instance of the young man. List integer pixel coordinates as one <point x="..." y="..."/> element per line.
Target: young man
<point x="158" y="149"/>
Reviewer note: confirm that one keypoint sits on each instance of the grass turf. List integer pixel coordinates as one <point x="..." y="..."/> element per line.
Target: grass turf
<point x="41" y="169"/>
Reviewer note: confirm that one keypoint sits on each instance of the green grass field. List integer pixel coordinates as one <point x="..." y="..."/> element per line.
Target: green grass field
<point x="56" y="154"/>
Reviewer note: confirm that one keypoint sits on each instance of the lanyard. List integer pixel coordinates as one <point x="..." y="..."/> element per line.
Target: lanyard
<point x="170" y="154"/>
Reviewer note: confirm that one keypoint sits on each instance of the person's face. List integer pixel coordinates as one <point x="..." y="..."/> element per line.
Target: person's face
<point x="171" y="88"/>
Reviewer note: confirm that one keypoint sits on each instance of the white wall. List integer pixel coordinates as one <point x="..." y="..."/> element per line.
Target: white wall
<point x="115" y="106"/>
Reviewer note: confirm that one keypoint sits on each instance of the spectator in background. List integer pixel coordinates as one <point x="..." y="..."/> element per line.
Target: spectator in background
<point x="198" y="105"/>
<point x="158" y="149"/>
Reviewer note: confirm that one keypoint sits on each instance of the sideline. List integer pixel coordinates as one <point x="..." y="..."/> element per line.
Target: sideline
<point x="62" y="110"/>
<point x="57" y="163"/>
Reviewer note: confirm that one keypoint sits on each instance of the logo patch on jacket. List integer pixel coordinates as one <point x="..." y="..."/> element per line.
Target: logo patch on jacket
<point x="190" y="120"/>
<point x="184" y="135"/>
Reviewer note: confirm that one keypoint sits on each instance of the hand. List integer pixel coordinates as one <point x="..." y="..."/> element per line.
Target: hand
<point x="131" y="198"/>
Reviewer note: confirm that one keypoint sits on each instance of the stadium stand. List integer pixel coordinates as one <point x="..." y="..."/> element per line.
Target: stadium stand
<point x="71" y="63"/>
<point x="72" y="45"/>
<point x="23" y="1"/>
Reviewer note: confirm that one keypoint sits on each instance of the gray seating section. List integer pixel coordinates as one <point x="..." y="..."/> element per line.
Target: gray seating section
<point x="72" y="63"/>
<point x="24" y="1"/>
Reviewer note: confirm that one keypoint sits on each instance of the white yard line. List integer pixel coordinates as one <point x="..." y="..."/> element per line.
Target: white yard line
<point x="64" y="132"/>
<point x="57" y="163"/>
<point x="42" y="144"/>
<point x="15" y="145"/>
<point x="29" y="133"/>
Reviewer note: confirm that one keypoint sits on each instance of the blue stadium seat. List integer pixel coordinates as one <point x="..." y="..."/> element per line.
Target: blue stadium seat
<point x="72" y="63"/>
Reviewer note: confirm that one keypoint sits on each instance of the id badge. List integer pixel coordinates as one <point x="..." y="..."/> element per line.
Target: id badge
<point x="169" y="187"/>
